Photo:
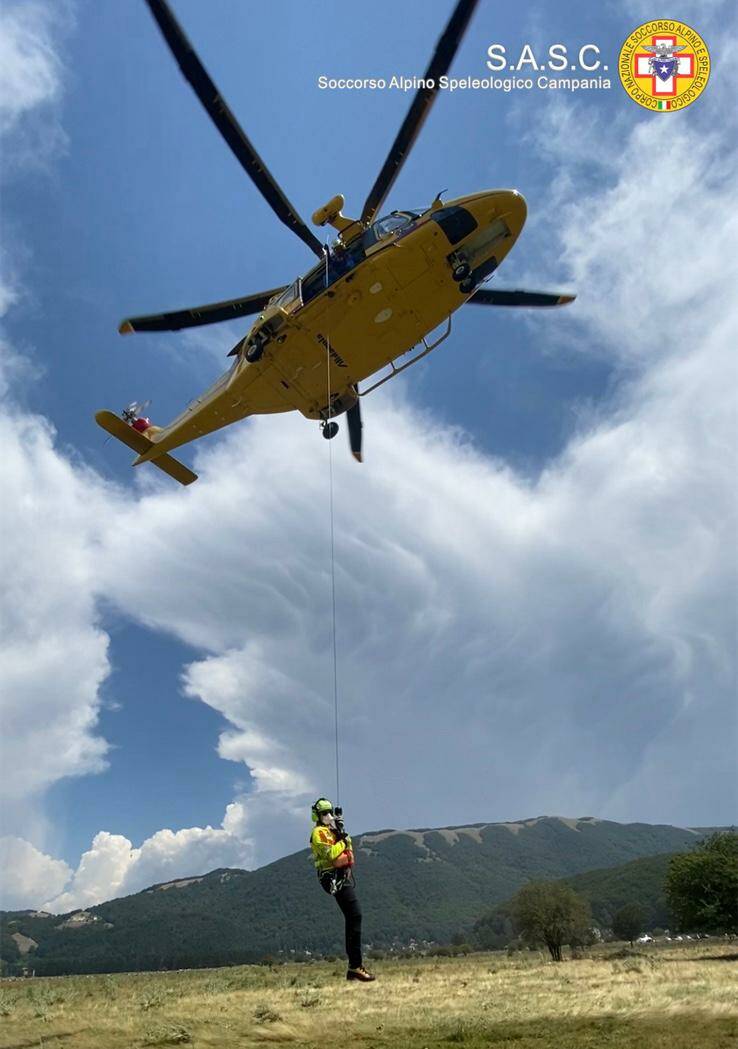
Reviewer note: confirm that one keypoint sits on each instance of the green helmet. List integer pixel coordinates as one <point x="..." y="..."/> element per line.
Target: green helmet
<point x="321" y="806"/>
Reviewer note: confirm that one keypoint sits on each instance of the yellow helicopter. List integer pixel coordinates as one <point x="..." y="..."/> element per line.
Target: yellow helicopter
<point x="374" y="295"/>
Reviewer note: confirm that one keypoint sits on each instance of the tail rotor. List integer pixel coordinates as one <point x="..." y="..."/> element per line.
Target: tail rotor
<point x="134" y="410"/>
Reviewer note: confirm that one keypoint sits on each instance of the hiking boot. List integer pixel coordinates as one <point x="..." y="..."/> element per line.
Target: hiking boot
<point x="360" y="974"/>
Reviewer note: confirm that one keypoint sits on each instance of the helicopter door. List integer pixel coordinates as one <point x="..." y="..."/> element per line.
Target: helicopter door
<point x="406" y="261"/>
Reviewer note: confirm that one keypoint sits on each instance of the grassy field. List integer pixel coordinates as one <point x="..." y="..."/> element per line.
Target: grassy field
<point x="656" y="998"/>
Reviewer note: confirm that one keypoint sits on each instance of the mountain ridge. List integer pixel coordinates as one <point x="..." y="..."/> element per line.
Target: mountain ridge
<point x="423" y="883"/>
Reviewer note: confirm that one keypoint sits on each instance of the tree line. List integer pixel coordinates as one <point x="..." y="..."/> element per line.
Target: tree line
<point x="701" y="890"/>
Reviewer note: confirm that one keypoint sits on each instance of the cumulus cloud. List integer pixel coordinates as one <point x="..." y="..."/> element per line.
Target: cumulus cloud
<point x="506" y="646"/>
<point x="28" y="875"/>
<point x="511" y="647"/>
<point x="113" y="867"/>
<point x="53" y="654"/>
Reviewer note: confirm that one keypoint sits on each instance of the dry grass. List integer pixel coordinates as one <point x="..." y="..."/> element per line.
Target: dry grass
<point x="676" y="998"/>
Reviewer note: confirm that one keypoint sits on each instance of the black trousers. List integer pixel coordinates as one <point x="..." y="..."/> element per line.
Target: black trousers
<point x="348" y="901"/>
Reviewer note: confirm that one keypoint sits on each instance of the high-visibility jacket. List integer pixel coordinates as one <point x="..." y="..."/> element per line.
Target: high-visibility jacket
<point x="328" y="851"/>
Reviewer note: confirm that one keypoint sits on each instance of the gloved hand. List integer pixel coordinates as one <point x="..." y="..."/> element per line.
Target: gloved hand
<point x="339" y="828"/>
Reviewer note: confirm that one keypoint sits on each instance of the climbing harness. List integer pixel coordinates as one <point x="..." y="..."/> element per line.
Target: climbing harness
<point x="334" y="880"/>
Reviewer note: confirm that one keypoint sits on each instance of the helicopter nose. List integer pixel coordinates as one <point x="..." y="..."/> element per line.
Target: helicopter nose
<point x="516" y="210"/>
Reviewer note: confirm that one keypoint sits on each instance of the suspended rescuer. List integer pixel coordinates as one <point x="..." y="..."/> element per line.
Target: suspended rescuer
<point x="334" y="860"/>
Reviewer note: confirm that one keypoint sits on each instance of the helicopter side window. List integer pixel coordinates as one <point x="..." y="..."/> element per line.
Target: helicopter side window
<point x="340" y="262"/>
<point x="313" y="283"/>
<point x="287" y="296"/>
<point x="344" y="260"/>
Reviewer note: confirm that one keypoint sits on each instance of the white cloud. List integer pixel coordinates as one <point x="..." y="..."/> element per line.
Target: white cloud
<point x="511" y="647"/>
<point x="505" y="647"/>
<point x="29" y="876"/>
<point x="113" y="867"/>
<point x="8" y="293"/>
<point x="31" y="80"/>
<point x="30" y="72"/>
<point x="99" y="876"/>
<point x="54" y="656"/>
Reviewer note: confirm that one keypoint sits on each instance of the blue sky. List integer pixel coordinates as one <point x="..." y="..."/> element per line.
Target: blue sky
<point x="535" y="575"/>
<point x="147" y="207"/>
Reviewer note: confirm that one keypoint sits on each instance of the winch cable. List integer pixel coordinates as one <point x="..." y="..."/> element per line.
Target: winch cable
<point x="333" y="556"/>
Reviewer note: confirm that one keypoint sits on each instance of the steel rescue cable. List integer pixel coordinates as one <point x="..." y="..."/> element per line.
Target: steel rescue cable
<point x="333" y="554"/>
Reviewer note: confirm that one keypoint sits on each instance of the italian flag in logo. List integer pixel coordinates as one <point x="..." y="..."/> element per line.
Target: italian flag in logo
<point x="663" y="104"/>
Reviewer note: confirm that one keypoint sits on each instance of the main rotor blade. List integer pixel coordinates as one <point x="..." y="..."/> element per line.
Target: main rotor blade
<point x="498" y="297"/>
<point x="193" y="318"/>
<point x="199" y="79"/>
<point x="353" y="418"/>
<point x="443" y="56"/>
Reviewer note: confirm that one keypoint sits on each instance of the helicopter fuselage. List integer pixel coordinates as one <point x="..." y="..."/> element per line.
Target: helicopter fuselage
<point x="367" y="304"/>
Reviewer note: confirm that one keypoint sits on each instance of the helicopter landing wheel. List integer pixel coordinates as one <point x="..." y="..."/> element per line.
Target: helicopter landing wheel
<point x="466" y="285"/>
<point x="255" y="353"/>
<point x="329" y="430"/>
<point x="460" y="271"/>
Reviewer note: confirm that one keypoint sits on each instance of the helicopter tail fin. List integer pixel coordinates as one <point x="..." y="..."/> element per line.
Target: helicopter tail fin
<point x="120" y="429"/>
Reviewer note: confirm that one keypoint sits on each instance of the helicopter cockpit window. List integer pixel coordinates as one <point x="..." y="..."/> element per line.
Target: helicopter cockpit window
<point x="388" y="225"/>
<point x="392" y="223"/>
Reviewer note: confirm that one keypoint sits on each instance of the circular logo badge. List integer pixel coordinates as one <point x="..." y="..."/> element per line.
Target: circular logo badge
<point x="664" y="65"/>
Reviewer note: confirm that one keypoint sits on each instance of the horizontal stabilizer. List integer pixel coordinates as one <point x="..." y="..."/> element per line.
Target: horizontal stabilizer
<point x="116" y="427"/>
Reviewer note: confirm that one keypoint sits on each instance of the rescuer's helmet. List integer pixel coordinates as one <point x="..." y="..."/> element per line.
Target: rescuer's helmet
<point x="320" y="808"/>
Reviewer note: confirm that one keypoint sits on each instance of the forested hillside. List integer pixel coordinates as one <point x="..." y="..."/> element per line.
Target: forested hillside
<point x="426" y="884"/>
<point x="640" y="881"/>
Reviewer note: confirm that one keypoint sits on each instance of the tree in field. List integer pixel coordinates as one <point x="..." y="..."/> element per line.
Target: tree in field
<point x="702" y="885"/>
<point x="552" y="914"/>
<point x="628" y="922"/>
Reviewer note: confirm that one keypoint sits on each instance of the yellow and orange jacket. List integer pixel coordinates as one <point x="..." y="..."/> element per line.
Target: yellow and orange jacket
<point x="328" y="851"/>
